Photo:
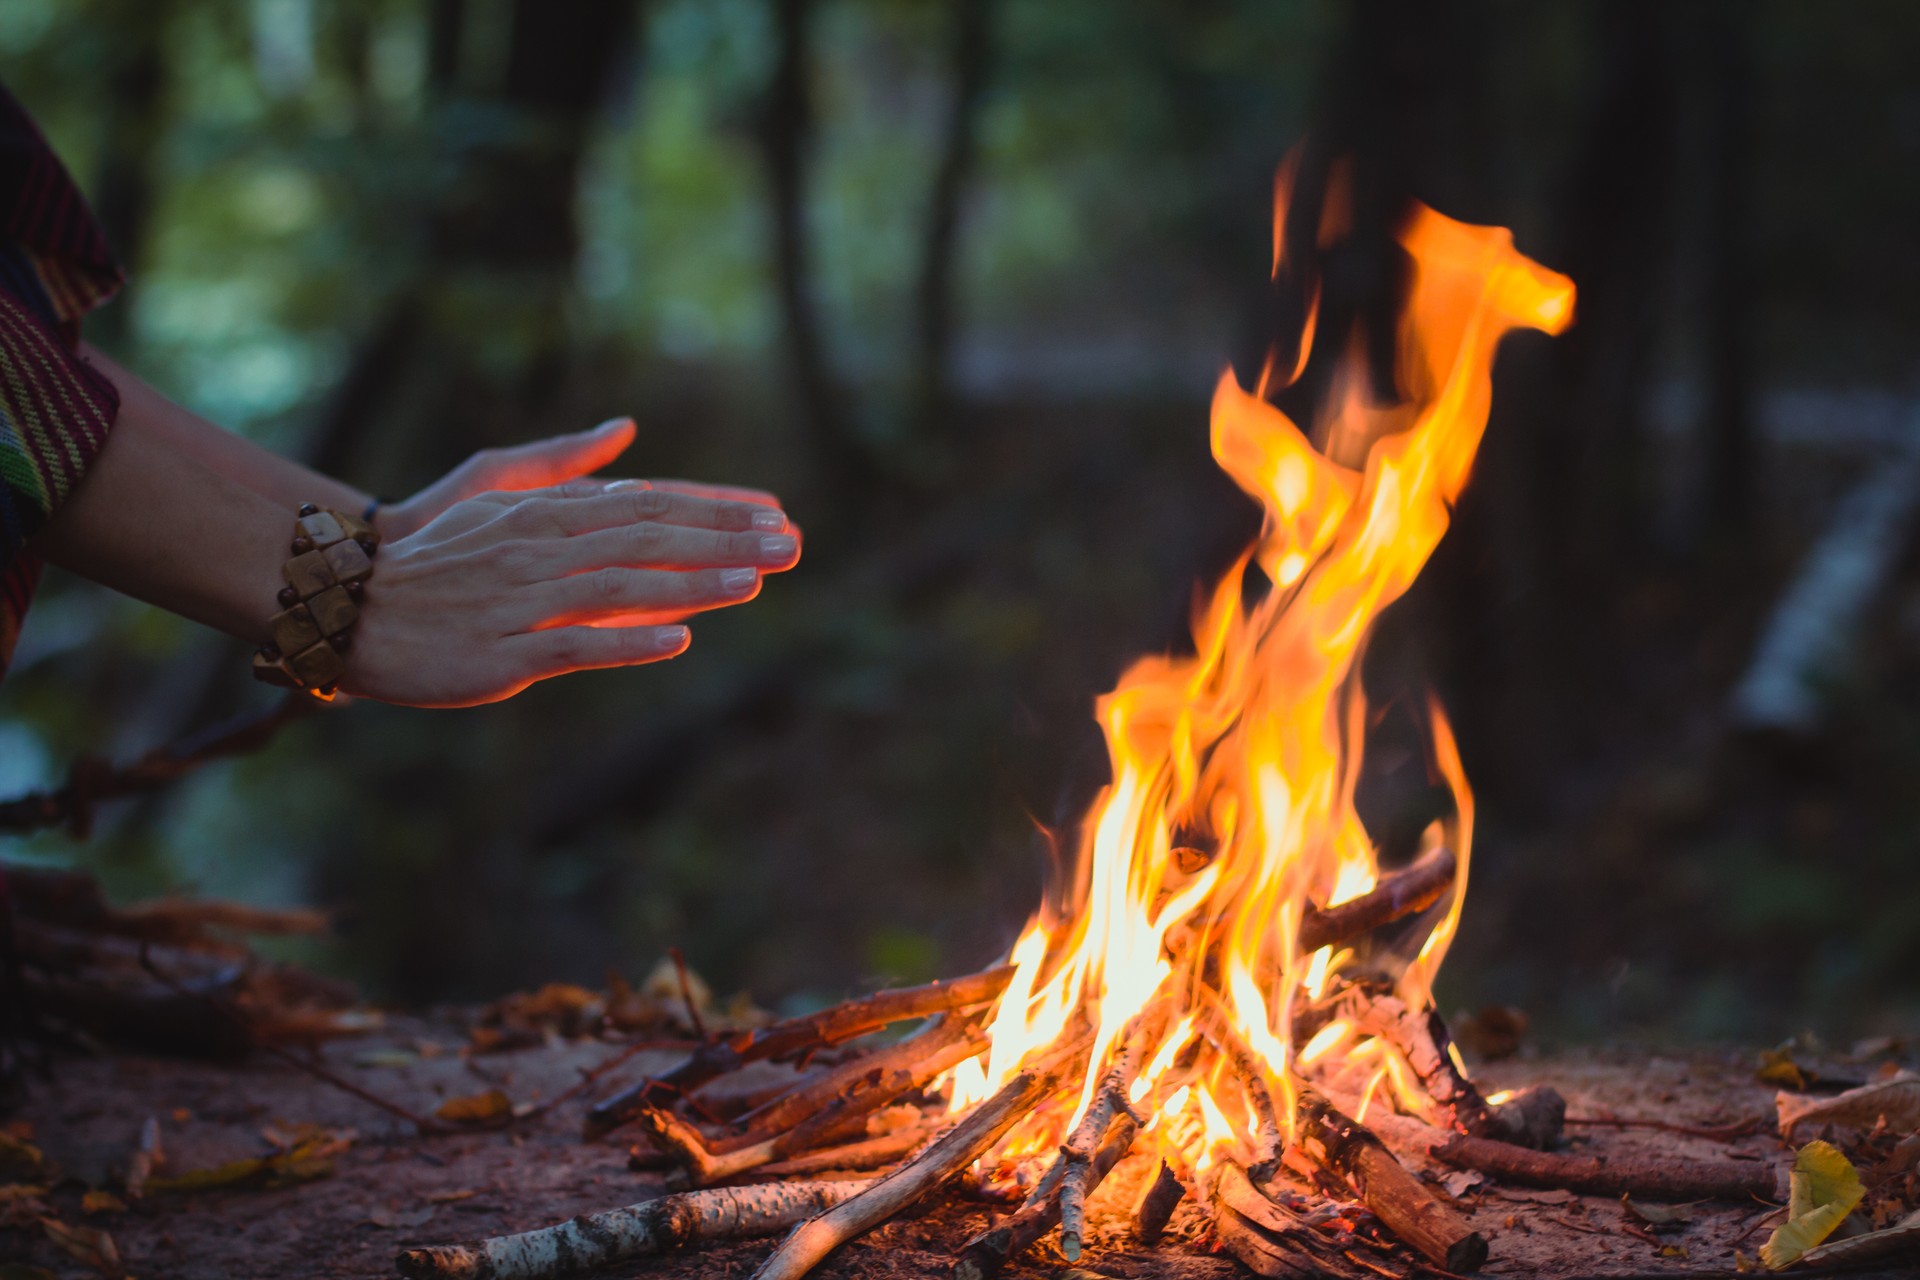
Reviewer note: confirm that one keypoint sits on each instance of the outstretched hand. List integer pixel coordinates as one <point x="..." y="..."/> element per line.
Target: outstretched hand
<point x="541" y="464"/>
<point x="503" y="589"/>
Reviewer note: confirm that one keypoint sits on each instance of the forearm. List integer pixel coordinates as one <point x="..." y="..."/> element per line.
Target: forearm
<point x="151" y="521"/>
<point x="283" y="481"/>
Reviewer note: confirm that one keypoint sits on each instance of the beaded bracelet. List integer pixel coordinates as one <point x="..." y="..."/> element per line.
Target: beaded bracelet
<point x="332" y="560"/>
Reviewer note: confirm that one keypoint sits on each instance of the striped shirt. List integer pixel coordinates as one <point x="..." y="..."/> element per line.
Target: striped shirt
<point x="55" y="408"/>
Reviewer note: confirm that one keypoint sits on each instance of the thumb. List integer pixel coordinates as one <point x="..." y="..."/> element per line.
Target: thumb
<point x="559" y="458"/>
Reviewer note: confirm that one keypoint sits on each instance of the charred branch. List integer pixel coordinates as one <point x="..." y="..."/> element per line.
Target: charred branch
<point x="1650" y="1177"/>
<point x="796" y="1036"/>
<point x="1268" y="1236"/>
<point x="982" y="1257"/>
<point x="1154" y="1209"/>
<point x="1407" y="892"/>
<point x="657" y="1226"/>
<point x="1396" y="1197"/>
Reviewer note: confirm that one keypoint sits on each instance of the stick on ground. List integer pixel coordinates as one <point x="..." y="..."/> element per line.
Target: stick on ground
<point x="595" y="1240"/>
<point x="1650" y="1177"/>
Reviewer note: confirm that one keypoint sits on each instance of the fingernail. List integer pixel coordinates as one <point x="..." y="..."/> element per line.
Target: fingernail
<point x="613" y="485"/>
<point x="611" y="425"/>
<point x="769" y="519"/>
<point x="738" y="580"/>
<point x="778" y="547"/>
<point x="670" y="637"/>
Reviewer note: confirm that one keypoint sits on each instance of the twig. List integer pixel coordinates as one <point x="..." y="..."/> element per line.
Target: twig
<point x="424" y="1124"/>
<point x="982" y="1257"/>
<point x="1418" y="886"/>
<point x="92" y="781"/>
<point x="656" y="1226"/>
<point x="796" y="1035"/>
<point x="686" y="992"/>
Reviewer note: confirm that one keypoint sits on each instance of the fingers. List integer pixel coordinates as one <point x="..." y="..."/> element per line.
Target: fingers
<point x="551" y="653"/>
<point x="601" y="593"/>
<point x="728" y="492"/>
<point x="651" y="545"/>
<point x="556" y="460"/>
<point x="630" y="502"/>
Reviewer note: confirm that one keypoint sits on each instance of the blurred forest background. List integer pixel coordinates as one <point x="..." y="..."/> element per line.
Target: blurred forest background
<point x="955" y="279"/>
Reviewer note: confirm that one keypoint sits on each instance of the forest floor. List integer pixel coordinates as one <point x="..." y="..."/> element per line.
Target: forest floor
<point x="389" y="1188"/>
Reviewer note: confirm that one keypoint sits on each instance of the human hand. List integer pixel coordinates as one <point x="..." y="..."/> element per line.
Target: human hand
<point x="537" y="465"/>
<point x="504" y="589"/>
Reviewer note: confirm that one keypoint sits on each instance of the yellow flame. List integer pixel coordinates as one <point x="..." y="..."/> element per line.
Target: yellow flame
<point x="1254" y="741"/>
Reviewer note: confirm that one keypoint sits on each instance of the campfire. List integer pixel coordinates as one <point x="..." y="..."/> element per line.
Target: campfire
<point x="1200" y="996"/>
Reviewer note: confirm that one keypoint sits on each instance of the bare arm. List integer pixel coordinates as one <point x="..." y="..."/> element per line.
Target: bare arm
<point x="482" y="599"/>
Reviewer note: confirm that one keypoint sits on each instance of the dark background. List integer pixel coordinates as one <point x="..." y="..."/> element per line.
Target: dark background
<point x="955" y="279"/>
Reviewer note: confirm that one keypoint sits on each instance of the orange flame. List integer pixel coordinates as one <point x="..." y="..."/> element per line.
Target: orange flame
<point x="1256" y="739"/>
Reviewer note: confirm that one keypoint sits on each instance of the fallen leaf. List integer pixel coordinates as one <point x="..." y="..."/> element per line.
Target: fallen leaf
<point x="309" y="1158"/>
<point x="394" y="1218"/>
<point x="1824" y="1188"/>
<point x="1902" y="1238"/>
<point x="1897" y="1098"/>
<point x="448" y="1197"/>
<point x="1658" y="1215"/>
<point x="1778" y="1067"/>
<point x="21" y="1205"/>
<point x="89" y="1246"/>
<point x="1461" y="1181"/>
<point x="490" y="1107"/>
<point x="1674" y="1251"/>
<point x="101" y="1202"/>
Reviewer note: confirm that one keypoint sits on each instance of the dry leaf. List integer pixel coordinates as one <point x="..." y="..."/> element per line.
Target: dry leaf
<point x="389" y="1057"/>
<point x="101" y="1202"/>
<point x="21" y="1205"/>
<point x="89" y="1246"/>
<point x="448" y="1197"/>
<point x="1823" y="1190"/>
<point x="309" y="1158"/>
<point x="1657" y="1215"/>
<point x="491" y="1107"/>
<point x="395" y="1218"/>
<point x="1897" y="1098"/>
<point x="1900" y="1239"/>
<point x="1778" y="1067"/>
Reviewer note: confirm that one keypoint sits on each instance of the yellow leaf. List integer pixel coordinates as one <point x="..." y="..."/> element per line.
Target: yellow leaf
<point x="101" y="1202"/>
<point x="480" y="1108"/>
<point x="18" y="1157"/>
<point x="1823" y="1190"/>
<point x="88" y="1246"/>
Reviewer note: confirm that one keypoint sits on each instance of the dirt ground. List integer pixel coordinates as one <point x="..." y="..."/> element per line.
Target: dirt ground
<point x="391" y="1189"/>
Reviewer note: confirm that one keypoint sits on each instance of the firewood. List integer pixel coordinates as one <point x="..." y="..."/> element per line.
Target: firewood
<point x="1398" y="895"/>
<point x="1268" y="1137"/>
<point x="1267" y="1235"/>
<point x="1111" y="1100"/>
<point x="655" y="1226"/>
<point x="982" y="1257"/>
<point x="845" y="1116"/>
<point x="813" y="1240"/>
<point x="1154" y="1209"/>
<point x="872" y="1153"/>
<point x="1396" y="1197"/>
<point x="786" y="1039"/>
<point x="1650" y="1177"/>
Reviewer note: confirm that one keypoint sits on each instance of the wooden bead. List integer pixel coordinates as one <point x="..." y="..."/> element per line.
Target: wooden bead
<point x="347" y="561"/>
<point x="288" y="597"/>
<point x="302" y="545"/>
<point x="367" y="545"/>
<point x="333" y="611"/>
<point x="294" y="629"/>
<point x="341" y="642"/>
<point x="273" y="671"/>
<point x="323" y="528"/>
<point x="309" y="574"/>
<point x="356" y="588"/>
<point x="318" y="665"/>
<point x="309" y="508"/>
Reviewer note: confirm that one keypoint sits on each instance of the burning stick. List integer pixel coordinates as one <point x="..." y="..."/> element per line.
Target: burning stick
<point x="595" y="1240"/>
<point x="857" y="1094"/>
<point x="813" y="1240"/>
<point x="1653" y="1177"/>
<point x="1156" y="1205"/>
<point x="829" y="1027"/>
<point x="1265" y="1234"/>
<point x="982" y="1257"/>
<point x="1396" y="1197"/>
<point x="1418" y="886"/>
<point x="1111" y="1103"/>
